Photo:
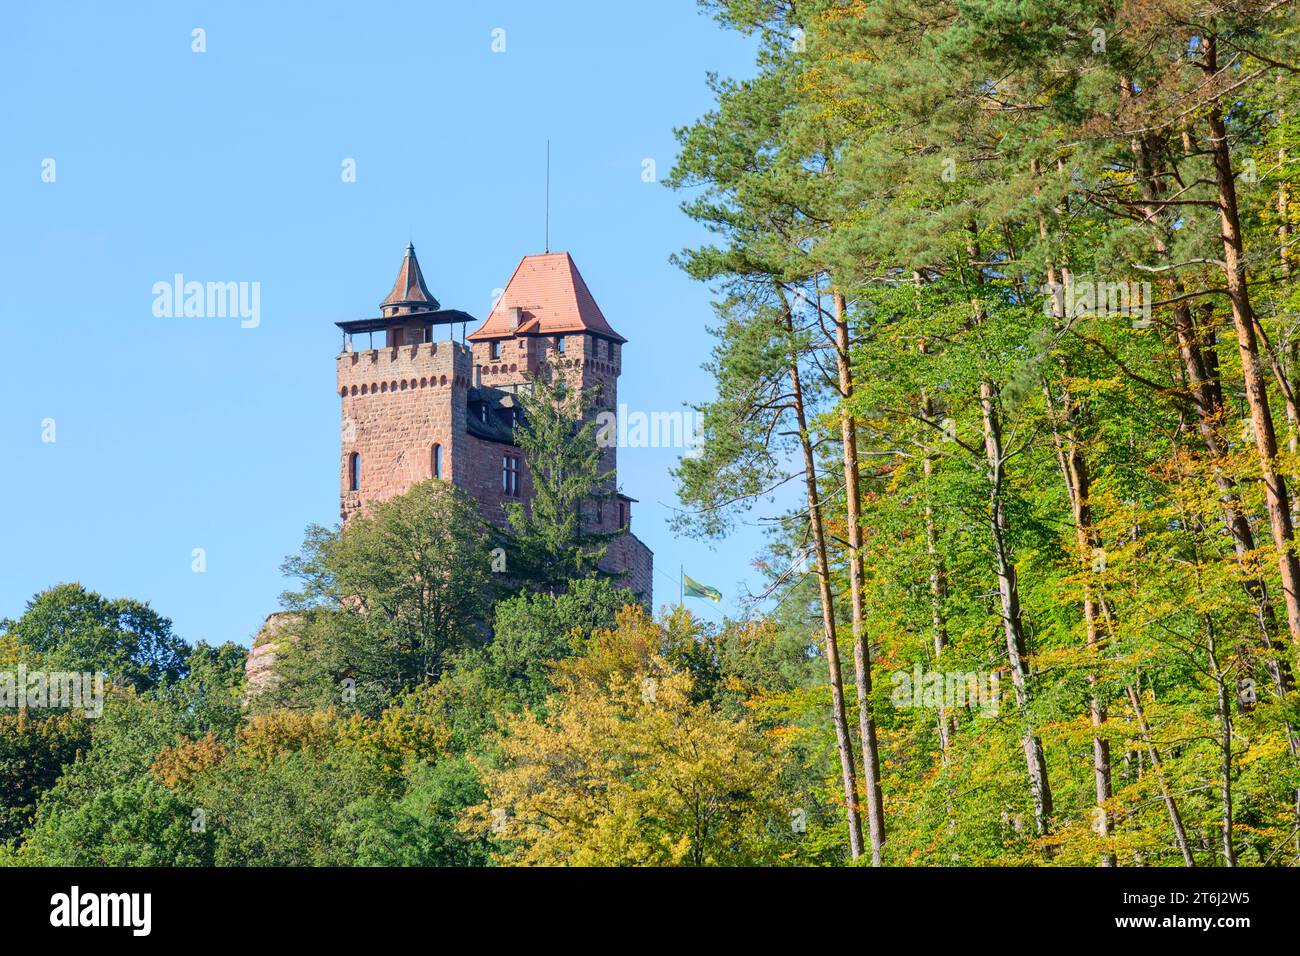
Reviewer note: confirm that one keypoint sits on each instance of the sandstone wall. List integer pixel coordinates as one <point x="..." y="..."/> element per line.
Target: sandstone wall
<point x="398" y="403"/>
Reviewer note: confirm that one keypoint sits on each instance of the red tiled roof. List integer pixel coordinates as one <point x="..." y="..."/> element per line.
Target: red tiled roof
<point x="552" y="297"/>
<point x="409" y="289"/>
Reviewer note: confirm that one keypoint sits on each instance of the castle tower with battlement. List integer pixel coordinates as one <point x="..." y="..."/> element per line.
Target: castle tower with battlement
<point x="417" y="404"/>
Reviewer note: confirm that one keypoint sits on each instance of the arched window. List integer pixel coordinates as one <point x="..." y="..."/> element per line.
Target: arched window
<point x="354" y="472"/>
<point x="435" y="461"/>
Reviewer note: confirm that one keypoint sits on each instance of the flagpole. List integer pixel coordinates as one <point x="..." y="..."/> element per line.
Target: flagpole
<point x="681" y="585"/>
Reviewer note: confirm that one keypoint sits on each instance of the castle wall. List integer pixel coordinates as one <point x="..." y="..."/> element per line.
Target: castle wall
<point x="628" y="553"/>
<point x="397" y="403"/>
<point x="588" y="362"/>
<point x="517" y="361"/>
<point x="482" y="477"/>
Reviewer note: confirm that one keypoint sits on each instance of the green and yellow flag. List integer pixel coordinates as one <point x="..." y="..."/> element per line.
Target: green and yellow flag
<point x="693" y="588"/>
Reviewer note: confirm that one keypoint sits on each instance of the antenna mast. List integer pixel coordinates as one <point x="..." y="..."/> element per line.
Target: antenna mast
<point x="547" y="245"/>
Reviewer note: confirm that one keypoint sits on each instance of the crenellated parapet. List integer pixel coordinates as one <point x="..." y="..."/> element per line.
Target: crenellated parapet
<point x="402" y="367"/>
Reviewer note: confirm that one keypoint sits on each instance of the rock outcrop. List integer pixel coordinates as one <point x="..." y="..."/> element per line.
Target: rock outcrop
<point x="259" y="670"/>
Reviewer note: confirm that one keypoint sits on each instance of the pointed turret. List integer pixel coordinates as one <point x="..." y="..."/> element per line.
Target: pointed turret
<point x="409" y="294"/>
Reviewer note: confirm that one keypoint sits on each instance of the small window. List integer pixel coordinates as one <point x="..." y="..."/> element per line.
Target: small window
<point x="510" y="476"/>
<point x="495" y="349"/>
<point x="559" y="344"/>
<point x="435" y="463"/>
<point x="622" y="514"/>
<point x="600" y="512"/>
<point x="354" y="472"/>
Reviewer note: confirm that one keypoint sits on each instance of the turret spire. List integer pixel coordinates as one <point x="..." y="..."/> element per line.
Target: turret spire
<point x="409" y="293"/>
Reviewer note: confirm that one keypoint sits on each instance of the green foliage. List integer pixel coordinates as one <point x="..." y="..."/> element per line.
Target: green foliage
<point x="937" y="165"/>
<point x="422" y="827"/>
<point x="387" y="600"/>
<point x="291" y="810"/>
<point x="631" y="767"/>
<point x="209" y="698"/>
<point x="553" y="539"/>
<point x="107" y="809"/>
<point x="33" y="754"/>
<point x="533" y="631"/>
<point x="72" y="629"/>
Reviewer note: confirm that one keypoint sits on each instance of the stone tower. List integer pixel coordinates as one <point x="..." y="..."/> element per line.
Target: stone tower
<point x="547" y="319"/>
<point x="422" y="405"/>
<point x="404" y="404"/>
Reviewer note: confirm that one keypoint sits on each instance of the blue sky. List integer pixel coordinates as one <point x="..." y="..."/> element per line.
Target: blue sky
<point x="173" y="434"/>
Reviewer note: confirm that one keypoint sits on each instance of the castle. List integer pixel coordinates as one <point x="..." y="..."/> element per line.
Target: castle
<point x="417" y="404"/>
<point x="426" y="406"/>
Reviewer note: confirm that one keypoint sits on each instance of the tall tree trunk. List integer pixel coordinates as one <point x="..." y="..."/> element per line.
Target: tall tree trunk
<point x="1157" y="767"/>
<point x="1223" y="702"/>
<point x="843" y="740"/>
<point x="1244" y="321"/>
<point x="1008" y="586"/>
<point x="1153" y="753"/>
<point x="1009" y="596"/>
<point x="861" y="647"/>
<point x="1074" y="472"/>
<point x="1284" y="270"/>
<point x="1200" y="366"/>
<point x="934" y="559"/>
<point x="938" y="582"/>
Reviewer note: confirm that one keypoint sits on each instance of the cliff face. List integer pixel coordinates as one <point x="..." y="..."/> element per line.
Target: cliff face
<point x="259" y="671"/>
